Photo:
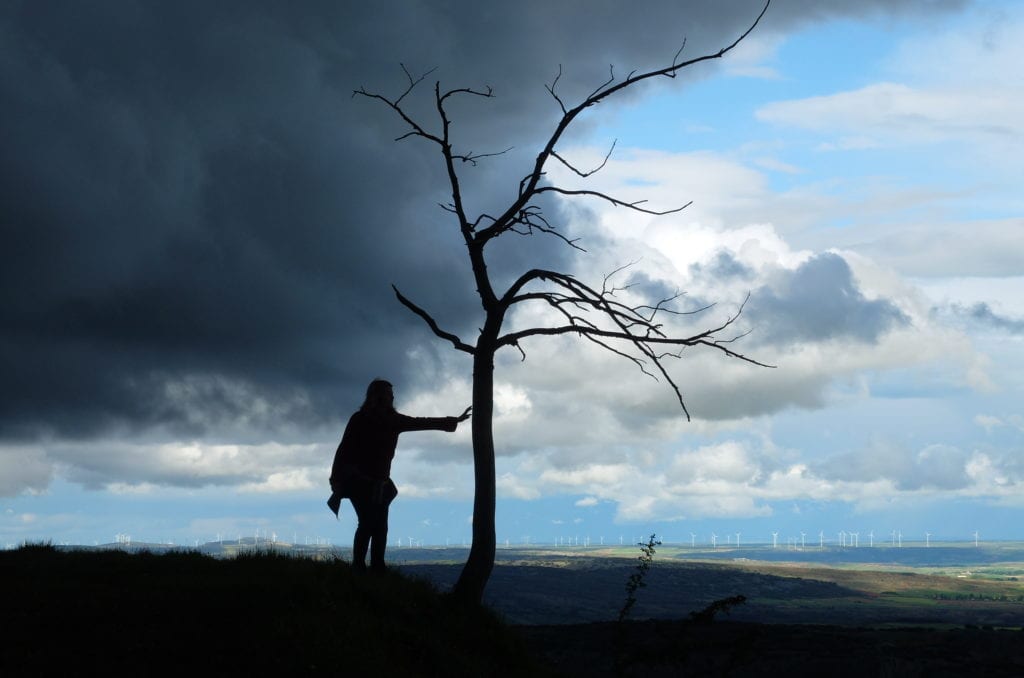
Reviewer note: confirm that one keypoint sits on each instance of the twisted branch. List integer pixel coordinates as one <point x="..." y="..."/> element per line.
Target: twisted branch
<point x="427" y="318"/>
<point x="573" y="299"/>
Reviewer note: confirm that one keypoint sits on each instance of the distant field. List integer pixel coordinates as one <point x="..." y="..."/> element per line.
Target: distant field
<point x="947" y="585"/>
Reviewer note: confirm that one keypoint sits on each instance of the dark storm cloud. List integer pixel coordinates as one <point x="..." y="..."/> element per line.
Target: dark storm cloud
<point x="819" y="301"/>
<point x="197" y="216"/>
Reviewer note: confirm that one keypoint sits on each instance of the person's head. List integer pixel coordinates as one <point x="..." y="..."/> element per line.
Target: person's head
<point x="379" y="396"/>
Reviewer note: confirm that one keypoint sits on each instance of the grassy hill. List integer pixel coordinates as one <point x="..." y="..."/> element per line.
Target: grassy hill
<point x="75" y="612"/>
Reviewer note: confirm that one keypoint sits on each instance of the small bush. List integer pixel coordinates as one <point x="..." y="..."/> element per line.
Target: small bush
<point x="636" y="579"/>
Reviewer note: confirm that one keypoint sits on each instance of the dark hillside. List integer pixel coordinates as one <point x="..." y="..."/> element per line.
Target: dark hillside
<point x="77" y="612"/>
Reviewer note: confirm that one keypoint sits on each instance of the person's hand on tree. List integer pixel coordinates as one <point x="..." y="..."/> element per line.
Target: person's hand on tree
<point x="465" y="415"/>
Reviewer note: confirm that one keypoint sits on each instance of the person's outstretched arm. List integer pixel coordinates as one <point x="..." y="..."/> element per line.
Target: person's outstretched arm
<point x="407" y="423"/>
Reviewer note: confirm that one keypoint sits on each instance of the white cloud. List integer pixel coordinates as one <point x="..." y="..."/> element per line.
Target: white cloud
<point x="975" y="98"/>
<point x="741" y="480"/>
<point x="424" y="476"/>
<point x="983" y="49"/>
<point x="988" y="422"/>
<point x="988" y="248"/>
<point x="900" y="114"/>
<point x="729" y="461"/>
<point x="126" y="467"/>
<point x="510" y="486"/>
<point x="24" y="468"/>
<point x="284" y="481"/>
<point x="754" y="56"/>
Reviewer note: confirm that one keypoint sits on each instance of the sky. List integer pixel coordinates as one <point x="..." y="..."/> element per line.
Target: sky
<point x="201" y="228"/>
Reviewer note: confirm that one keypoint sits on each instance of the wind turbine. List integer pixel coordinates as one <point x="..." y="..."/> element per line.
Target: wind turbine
<point x="975" y="539"/>
<point x="821" y="539"/>
<point x="693" y="540"/>
<point x="737" y="539"/>
<point x="856" y="539"/>
<point x="714" y="540"/>
<point x="899" y="538"/>
<point x="802" y="535"/>
<point x="927" y="539"/>
<point x="871" y="537"/>
<point x="842" y="538"/>
<point x="775" y="539"/>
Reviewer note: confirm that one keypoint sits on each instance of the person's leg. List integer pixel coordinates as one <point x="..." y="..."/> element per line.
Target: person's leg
<point x="379" y="542"/>
<point x="361" y="541"/>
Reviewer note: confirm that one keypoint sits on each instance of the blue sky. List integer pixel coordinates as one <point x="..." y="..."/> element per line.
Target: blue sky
<point x="857" y="173"/>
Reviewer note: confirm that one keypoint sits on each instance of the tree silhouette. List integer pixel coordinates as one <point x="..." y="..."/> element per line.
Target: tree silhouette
<point x="634" y="332"/>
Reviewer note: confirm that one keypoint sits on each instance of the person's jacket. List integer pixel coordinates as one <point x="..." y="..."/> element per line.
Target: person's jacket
<point x="371" y="437"/>
<point x="363" y="458"/>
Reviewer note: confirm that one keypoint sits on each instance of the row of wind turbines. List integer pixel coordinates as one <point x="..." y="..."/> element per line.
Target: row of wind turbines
<point x="844" y="539"/>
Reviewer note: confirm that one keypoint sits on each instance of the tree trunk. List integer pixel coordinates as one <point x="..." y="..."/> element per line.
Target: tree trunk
<point x="471" y="583"/>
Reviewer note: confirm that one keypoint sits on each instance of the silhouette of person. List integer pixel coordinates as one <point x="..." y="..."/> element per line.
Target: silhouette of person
<point x="362" y="467"/>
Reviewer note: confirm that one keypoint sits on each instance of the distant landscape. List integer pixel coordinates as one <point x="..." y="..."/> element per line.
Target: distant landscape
<point x="947" y="583"/>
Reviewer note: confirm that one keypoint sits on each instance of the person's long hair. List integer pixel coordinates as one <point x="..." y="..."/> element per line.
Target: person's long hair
<point x="378" y="397"/>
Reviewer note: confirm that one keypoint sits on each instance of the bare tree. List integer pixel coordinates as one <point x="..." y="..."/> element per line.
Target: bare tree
<point x="634" y="332"/>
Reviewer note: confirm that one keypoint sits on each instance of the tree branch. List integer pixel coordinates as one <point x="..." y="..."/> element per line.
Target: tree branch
<point x="593" y="171"/>
<point x="530" y="185"/>
<point x="635" y="205"/>
<point x="630" y="324"/>
<point x="471" y="157"/>
<point x="447" y="336"/>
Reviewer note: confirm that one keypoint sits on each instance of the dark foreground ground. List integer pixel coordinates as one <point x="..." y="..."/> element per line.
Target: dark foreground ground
<point x="677" y="648"/>
<point x="796" y="619"/>
<point x="112" y="613"/>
